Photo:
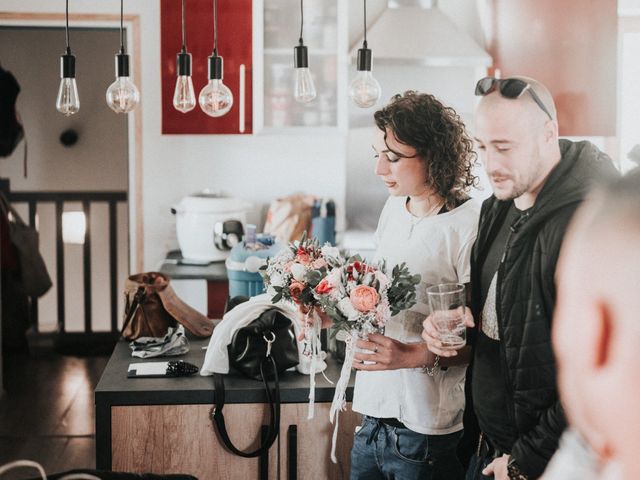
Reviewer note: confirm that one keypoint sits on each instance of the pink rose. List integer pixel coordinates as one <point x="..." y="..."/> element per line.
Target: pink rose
<point x="295" y="289"/>
<point x="303" y="258"/>
<point x="324" y="287"/>
<point x="319" y="263"/>
<point x="364" y="298"/>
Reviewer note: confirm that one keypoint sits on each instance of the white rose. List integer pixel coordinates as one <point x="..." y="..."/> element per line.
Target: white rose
<point x="330" y="252"/>
<point x="347" y="309"/>
<point x="276" y="280"/>
<point x="298" y="271"/>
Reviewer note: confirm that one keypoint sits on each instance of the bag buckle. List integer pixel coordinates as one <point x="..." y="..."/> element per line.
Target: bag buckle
<point x="269" y="342"/>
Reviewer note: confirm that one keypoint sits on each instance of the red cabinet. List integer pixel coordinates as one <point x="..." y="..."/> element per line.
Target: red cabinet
<point x="570" y="46"/>
<point x="234" y="45"/>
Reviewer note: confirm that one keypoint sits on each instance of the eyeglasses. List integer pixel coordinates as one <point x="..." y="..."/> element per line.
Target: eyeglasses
<point x="509" y="88"/>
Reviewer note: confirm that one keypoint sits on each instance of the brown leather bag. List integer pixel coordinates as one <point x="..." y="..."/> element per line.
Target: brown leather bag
<point x="152" y="306"/>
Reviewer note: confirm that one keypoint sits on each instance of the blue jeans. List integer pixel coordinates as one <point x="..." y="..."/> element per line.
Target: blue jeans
<point x="382" y="452"/>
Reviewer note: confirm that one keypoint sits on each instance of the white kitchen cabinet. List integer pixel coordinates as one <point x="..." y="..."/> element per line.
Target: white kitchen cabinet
<point x="276" y="32"/>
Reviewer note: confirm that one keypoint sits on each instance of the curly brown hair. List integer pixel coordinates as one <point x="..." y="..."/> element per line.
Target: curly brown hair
<point x="421" y="121"/>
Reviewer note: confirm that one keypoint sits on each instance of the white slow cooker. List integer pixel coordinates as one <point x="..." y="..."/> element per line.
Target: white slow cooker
<point x="209" y="225"/>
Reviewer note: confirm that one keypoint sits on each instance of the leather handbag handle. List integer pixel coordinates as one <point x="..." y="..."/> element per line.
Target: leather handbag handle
<point x="138" y="298"/>
<point x="274" y="408"/>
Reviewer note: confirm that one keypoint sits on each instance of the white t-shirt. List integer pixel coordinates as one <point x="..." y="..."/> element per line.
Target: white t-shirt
<point x="439" y="249"/>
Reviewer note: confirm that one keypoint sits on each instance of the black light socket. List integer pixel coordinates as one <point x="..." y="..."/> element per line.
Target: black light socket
<point x="364" y="59"/>
<point x="183" y="60"/>
<point x="300" y="57"/>
<point x="215" y="67"/>
<point x="122" y="65"/>
<point x="68" y="65"/>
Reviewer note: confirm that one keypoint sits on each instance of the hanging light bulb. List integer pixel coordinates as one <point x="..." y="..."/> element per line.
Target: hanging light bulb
<point x="303" y="89"/>
<point x="184" y="98"/>
<point x="364" y="90"/>
<point x="67" y="101"/>
<point x="215" y="98"/>
<point x="122" y="95"/>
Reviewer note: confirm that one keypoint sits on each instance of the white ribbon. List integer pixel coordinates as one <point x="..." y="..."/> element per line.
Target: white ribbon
<point x="312" y="335"/>
<point x="339" y="402"/>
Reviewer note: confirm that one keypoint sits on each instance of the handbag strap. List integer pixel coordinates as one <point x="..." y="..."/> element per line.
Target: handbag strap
<point x="138" y="298"/>
<point x="274" y="409"/>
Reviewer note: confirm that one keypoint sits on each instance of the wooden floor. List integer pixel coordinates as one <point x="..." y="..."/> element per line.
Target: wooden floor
<point x="47" y="411"/>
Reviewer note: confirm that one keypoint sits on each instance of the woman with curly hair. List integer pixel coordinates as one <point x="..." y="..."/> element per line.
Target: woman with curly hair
<point x="411" y="400"/>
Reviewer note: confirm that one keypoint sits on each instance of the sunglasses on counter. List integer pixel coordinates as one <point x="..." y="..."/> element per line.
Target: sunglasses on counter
<point x="509" y="88"/>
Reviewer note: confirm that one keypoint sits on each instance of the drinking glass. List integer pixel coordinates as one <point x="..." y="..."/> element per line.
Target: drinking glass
<point x="447" y="302"/>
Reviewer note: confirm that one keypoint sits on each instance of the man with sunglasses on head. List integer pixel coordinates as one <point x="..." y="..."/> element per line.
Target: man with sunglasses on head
<point x="538" y="182"/>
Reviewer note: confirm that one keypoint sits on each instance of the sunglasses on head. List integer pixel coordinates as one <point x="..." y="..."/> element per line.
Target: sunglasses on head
<point x="509" y="88"/>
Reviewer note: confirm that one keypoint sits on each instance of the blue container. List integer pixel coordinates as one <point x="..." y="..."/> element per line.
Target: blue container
<point x="323" y="221"/>
<point x="243" y="264"/>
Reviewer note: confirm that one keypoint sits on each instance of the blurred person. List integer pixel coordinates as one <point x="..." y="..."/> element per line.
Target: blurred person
<point x="596" y="331"/>
<point x="538" y="182"/>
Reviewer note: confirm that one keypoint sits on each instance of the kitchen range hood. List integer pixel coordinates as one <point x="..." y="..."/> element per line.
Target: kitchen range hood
<point x="417" y="32"/>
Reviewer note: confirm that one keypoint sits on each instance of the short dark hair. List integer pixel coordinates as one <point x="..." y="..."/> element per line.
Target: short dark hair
<point x="421" y="121"/>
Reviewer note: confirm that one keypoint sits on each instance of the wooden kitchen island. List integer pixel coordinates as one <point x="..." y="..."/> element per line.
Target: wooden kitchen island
<point x="163" y="425"/>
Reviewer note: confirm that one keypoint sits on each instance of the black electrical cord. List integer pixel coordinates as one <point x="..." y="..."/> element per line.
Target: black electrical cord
<point x="184" y="35"/>
<point x="66" y="16"/>
<point x="364" y="44"/>
<point x="122" y="50"/>
<point x="301" y="21"/>
<point x="215" y="28"/>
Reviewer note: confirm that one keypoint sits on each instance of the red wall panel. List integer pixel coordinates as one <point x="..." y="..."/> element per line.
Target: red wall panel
<point x="234" y="45"/>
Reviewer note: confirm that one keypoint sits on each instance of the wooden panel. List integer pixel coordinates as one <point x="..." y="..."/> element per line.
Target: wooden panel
<point x="571" y="47"/>
<point x="234" y="45"/>
<point x="181" y="439"/>
<point x="314" y="442"/>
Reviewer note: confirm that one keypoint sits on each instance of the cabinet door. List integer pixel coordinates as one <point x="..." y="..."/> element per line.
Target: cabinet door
<point x="571" y="47"/>
<point x="234" y="45"/>
<point x="181" y="439"/>
<point x="306" y="444"/>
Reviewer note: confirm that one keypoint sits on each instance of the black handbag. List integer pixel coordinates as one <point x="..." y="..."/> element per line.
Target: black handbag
<point x="260" y="350"/>
<point x="34" y="277"/>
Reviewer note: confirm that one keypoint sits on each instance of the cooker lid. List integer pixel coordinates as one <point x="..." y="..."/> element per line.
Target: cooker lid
<point x="206" y="202"/>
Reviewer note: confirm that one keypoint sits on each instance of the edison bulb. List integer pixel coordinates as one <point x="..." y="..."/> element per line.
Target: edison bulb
<point x="122" y="95"/>
<point x="364" y="90"/>
<point x="68" y="101"/>
<point x="184" y="98"/>
<point x="304" y="90"/>
<point x="215" y="98"/>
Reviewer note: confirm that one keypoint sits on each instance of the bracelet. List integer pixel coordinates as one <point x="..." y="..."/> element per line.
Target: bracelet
<point x="431" y="371"/>
<point x="514" y="472"/>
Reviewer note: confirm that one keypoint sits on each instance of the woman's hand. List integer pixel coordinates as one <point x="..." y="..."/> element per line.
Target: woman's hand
<point x="430" y="335"/>
<point x="390" y="354"/>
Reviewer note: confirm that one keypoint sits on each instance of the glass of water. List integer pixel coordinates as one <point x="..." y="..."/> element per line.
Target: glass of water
<point x="447" y="302"/>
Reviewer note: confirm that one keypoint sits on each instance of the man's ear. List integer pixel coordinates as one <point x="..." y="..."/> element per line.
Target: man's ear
<point x="550" y="131"/>
<point x="603" y="335"/>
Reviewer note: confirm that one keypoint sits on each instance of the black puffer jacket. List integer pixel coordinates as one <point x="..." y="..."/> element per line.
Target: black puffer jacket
<point x="526" y="291"/>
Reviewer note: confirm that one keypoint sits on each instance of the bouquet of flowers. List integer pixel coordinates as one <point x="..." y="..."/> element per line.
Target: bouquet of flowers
<point x="360" y="298"/>
<point x="292" y="275"/>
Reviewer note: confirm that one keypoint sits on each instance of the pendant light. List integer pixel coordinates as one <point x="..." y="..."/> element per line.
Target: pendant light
<point x="122" y="95"/>
<point x="68" y="101"/>
<point x="184" y="98"/>
<point x="364" y="90"/>
<point x="304" y="90"/>
<point x="215" y="98"/>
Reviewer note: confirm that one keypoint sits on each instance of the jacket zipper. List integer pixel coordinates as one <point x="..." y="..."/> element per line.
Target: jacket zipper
<point x="513" y="228"/>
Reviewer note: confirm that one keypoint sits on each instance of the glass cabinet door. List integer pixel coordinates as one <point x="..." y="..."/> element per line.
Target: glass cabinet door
<point x="281" y="34"/>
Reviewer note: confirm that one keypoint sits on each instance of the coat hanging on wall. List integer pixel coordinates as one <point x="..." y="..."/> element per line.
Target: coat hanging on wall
<point x="11" y="131"/>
